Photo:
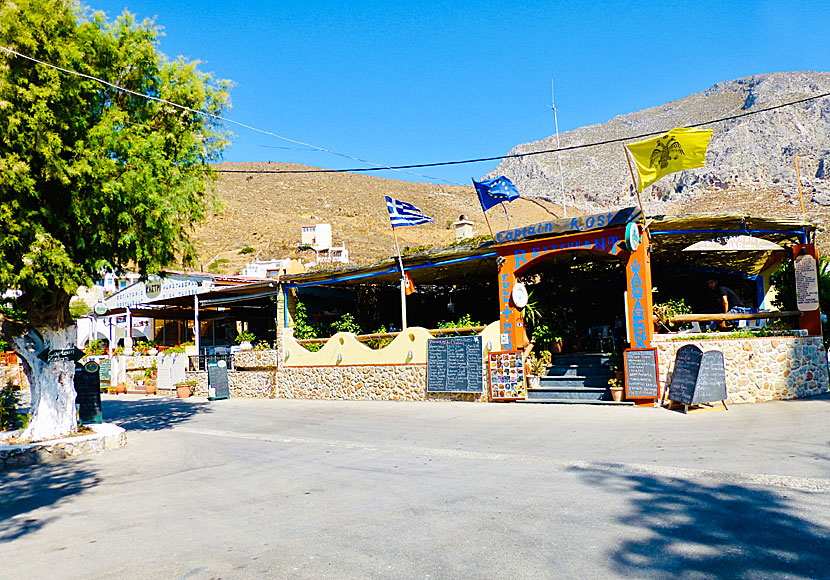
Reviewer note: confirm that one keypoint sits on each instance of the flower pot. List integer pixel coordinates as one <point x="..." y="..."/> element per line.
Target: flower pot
<point x="120" y="389"/>
<point x="183" y="391"/>
<point x="533" y="381"/>
<point x="556" y="347"/>
<point x="150" y="387"/>
<point x="617" y="394"/>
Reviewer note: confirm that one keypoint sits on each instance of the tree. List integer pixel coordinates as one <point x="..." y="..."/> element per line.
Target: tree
<point x="92" y="177"/>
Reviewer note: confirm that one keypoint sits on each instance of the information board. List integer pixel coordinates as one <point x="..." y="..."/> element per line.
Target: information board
<point x="711" y="379"/>
<point x="105" y="373"/>
<point x="218" y="387"/>
<point x="806" y="283"/>
<point x="507" y="376"/>
<point x="88" y="392"/>
<point x="641" y="375"/>
<point x="684" y="375"/>
<point x="454" y="365"/>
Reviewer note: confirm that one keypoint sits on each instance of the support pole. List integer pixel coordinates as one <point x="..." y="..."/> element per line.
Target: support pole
<point x="631" y="170"/>
<point x="484" y="211"/>
<point x="403" y="281"/>
<point x="196" y="329"/>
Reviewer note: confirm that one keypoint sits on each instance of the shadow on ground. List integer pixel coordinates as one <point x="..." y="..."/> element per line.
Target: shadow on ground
<point x="151" y="414"/>
<point x="688" y="529"/>
<point x="25" y="490"/>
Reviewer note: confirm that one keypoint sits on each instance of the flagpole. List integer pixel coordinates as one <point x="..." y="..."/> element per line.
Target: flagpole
<point x="506" y="214"/>
<point x="631" y="170"/>
<point x="484" y="211"/>
<point x="403" y="281"/>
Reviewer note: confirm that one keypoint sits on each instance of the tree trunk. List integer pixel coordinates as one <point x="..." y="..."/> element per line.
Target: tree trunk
<point x="51" y="383"/>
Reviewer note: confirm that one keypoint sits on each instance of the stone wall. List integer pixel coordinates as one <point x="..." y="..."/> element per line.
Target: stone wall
<point x="759" y="369"/>
<point x="364" y="382"/>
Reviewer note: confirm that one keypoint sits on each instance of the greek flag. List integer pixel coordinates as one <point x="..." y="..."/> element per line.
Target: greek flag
<point x="405" y="214"/>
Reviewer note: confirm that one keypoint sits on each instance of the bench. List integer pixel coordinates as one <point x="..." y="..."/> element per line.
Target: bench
<point x="730" y="316"/>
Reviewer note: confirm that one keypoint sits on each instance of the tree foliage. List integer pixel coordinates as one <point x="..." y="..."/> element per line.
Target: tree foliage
<point x="92" y="176"/>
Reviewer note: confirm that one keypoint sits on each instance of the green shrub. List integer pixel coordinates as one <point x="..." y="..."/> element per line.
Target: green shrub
<point x="245" y="337"/>
<point x="9" y="419"/>
<point x="246" y="250"/>
<point x="301" y="327"/>
<point x="346" y="323"/>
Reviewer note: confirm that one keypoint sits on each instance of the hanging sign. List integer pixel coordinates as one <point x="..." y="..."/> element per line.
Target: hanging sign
<point x="806" y="283"/>
<point x="519" y="295"/>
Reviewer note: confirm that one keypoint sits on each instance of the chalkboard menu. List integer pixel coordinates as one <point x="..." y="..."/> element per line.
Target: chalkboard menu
<point x="88" y="392"/>
<point x="698" y="377"/>
<point x="684" y="375"/>
<point x="454" y="365"/>
<point x="218" y="387"/>
<point x="711" y="380"/>
<point x="641" y="377"/>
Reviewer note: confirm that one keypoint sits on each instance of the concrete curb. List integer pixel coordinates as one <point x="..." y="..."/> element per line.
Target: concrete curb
<point x="107" y="436"/>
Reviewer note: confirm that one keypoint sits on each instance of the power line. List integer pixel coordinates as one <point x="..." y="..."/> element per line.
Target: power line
<point x="403" y="168"/>
<point x="531" y="153"/>
<point x="377" y="166"/>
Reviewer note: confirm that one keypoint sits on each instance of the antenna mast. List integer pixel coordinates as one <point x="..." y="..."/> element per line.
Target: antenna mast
<point x="558" y="153"/>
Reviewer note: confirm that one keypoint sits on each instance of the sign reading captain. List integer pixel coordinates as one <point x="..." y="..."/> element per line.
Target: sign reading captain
<point x="571" y="225"/>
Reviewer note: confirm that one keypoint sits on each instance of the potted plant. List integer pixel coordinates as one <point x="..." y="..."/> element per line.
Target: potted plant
<point x="185" y="389"/>
<point x="616" y="387"/>
<point x="245" y="340"/>
<point x="121" y="389"/>
<point x="150" y="375"/>
<point x="537" y="364"/>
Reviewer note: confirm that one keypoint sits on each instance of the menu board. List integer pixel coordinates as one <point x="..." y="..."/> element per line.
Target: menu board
<point x="711" y="379"/>
<point x="641" y="376"/>
<point x="104" y="373"/>
<point x="218" y="387"/>
<point x="806" y="283"/>
<point x="684" y="374"/>
<point x="88" y="392"/>
<point x="507" y="376"/>
<point x="454" y="365"/>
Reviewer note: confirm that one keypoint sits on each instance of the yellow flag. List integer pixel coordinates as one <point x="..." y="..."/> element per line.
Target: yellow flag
<point x="679" y="149"/>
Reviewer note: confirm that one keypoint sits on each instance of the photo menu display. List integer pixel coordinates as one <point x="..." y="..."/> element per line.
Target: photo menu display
<point x="507" y="376"/>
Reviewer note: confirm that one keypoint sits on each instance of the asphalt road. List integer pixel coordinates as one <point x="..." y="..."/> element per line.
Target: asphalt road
<point x="317" y="489"/>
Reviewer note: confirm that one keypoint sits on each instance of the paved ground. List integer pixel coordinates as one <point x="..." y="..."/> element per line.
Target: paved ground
<point x="313" y="489"/>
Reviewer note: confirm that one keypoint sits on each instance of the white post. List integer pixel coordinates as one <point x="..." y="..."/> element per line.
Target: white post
<point x="196" y="337"/>
<point x="403" y="282"/>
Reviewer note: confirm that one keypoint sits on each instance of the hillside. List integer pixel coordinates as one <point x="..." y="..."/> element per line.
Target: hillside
<point x="267" y="211"/>
<point x="748" y="154"/>
<point x="750" y="166"/>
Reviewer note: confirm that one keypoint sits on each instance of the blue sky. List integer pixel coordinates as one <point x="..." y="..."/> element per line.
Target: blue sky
<point x="418" y="82"/>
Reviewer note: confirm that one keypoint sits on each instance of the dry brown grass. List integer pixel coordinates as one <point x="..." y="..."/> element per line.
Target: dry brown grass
<point x="267" y="211"/>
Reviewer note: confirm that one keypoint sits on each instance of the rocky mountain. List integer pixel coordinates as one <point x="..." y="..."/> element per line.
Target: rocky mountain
<point x="748" y="154"/>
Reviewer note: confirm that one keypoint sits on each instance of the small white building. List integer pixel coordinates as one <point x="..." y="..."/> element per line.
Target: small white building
<point x="318" y="239"/>
<point x="463" y="228"/>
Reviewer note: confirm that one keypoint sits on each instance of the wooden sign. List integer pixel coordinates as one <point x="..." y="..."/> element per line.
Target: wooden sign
<point x="455" y="365"/>
<point x="641" y="374"/>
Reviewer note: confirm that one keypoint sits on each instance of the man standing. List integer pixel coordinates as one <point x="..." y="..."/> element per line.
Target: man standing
<point x="726" y="300"/>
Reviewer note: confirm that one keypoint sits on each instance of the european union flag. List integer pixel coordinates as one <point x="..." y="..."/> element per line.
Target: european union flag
<point x="494" y="191"/>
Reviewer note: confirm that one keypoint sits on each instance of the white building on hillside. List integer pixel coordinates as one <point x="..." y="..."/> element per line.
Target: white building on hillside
<point x="318" y="239"/>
